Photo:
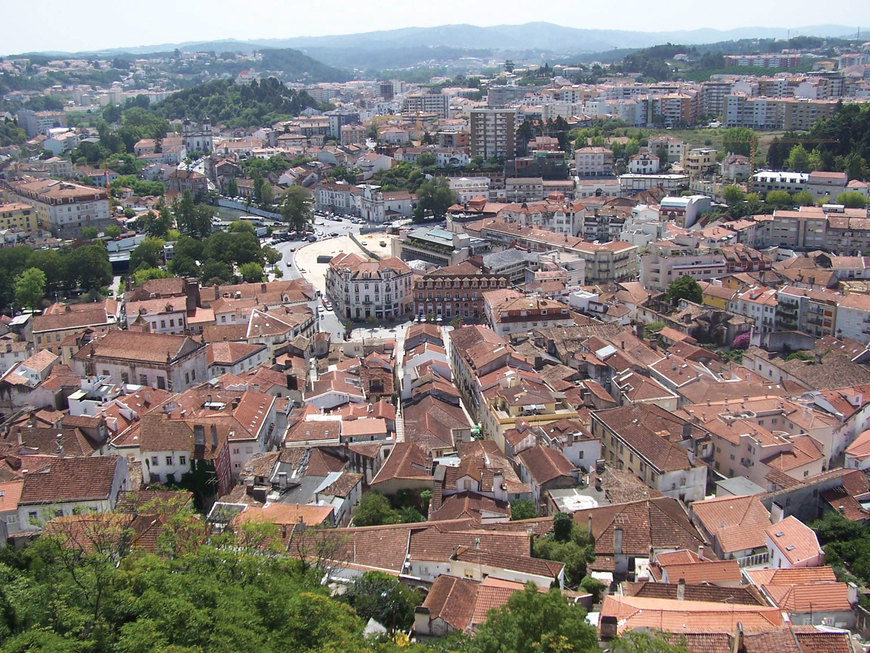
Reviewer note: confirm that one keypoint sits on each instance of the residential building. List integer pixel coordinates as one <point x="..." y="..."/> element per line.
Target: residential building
<point x="59" y="322"/>
<point x="510" y="312"/>
<point x="493" y="133"/>
<point x="17" y="217"/>
<point x="700" y="161"/>
<point x="454" y="291"/>
<point x="428" y="103"/>
<point x="68" y="486"/>
<point x="166" y="362"/>
<point x="361" y="288"/>
<point x="655" y="445"/>
<point x="593" y="161"/>
<point x="63" y="207"/>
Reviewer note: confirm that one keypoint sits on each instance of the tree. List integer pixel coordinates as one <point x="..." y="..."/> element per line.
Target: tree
<point x="655" y="641"/>
<point x="562" y="527"/>
<point x="798" y="159"/>
<point x="148" y="254"/>
<point x="379" y="596"/>
<point x="240" y="226"/>
<point x="214" y="271"/>
<point x="532" y="622"/>
<point x="434" y="197"/>
<point x="89" y="233"/>
<point x="112" y="231"/>
<point x="733" y="194"/>
<point x="373" y="510"/>
<point x="88" y="268"/>
<point x="267" y="193"/>
<point x="684" y="288"/>
<point x="232" y="187"/>
<point x="30" y="288"/>
<point x="295" y="207"/>
<point x="251" y="272"/>
<point x="738" y="140"/>
<point x="142" y="275"/>
<point x="523" y="509"/>
<point x="852" y="199"/>
<point x="778" y="198"/>
<point x="803" y="198"/>
<point x="271" y="255"/>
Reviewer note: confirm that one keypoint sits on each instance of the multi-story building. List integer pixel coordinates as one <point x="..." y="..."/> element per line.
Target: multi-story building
<point x="453" y="291"/>
<point x="509" y="312"/>
<point x="166" y="362"/>
<point x="852" y="317"/>
<point x="700" y="161"/>
<point x="467" y="188"/>
<point x="668" y="260"/>
<point x="362" y="289"/>
<point x="63" y="207"/>
<point x="643" y="164"/>
<point x="59" y="322"/>
<point x="17" y="217"/>
<point x="758" y="304"/>
<point x="765" y="181"/>
<point x="809" y="310"/>
<point x="435" y="103"/>
<point x="801" y="115"/>
<point x="439" y="246"/>
<point x="662" y="449"/>
<point x="667" y="148"/>
<point x="593" y="161"/>
<point x="493" y="133"/>
<point x="554" y="214"/>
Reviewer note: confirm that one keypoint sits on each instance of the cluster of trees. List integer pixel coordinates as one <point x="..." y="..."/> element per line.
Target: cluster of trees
<point x="375" y="509"/>
<point x="434" y="197"/>
<point x="11" y="133"/>
<point x="847" y="548"/>
<point x="259" y="103"/>
<point x="29" y="275"/>
<point x="569" y="543"/>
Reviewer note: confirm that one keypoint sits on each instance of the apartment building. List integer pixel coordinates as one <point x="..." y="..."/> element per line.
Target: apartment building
<point x="455" y="291"/>
<point x="429" y="103"/>
<point x="17" y="217"/>
<point x="63" y="207"/>
<point x="593" y="162"/>
<point x="700" y="161"/>
<point x="360" y="288"/>
<point x="493" y="133"/>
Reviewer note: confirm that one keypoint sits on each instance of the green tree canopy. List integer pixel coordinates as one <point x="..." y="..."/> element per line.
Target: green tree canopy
<point x="30" y="288"/>
<point x="373" y="510"/>
<point x="779" y="198"/>
<point x="295" y="207"/>
<point x="852" y="199"/>
<point x="251" y="272"/>
<point x="384" y="598"/>
<point x="684" y="288"/>
<point x="148" y="254"/>
<point x="532" y="622"/>
<point x="733" y="194"/>
<point x="523" y="509"/>
<point x="434" y="197"/>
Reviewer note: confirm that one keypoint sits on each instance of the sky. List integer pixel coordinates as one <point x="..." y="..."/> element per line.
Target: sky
<point x="65" y="25"/>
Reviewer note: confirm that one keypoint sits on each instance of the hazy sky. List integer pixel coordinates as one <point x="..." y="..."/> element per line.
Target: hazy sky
<point x="72" y="26"/>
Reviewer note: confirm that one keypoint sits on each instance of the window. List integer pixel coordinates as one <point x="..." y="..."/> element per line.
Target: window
<point x="162" y="324"/>
<point x="161" y="383"/>
<point x="182" y="460"/>
<point x="143" y="380"/>
<point x="235" y="450"/>
<point x="169" y="460"/>
<point x="32" y="515"/>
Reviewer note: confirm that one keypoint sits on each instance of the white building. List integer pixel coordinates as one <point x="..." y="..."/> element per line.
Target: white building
<point x="362" y="289"/>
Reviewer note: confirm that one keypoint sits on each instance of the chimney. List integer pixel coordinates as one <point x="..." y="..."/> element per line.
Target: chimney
<point x="681" y="589"/>
<point x="741" y="642"/>
<point x="701" y="551"/>
<point x="198" y="435"/>
<point x="214" y="439"/>
<point x="617" y="541"/>
<point x="608" y="626"/>
<point x="589" y="524"/>
<point x="282" y="480"/>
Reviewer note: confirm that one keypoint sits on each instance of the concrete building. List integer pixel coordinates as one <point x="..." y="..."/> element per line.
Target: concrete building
<point x="362" y="289"/>
<point x="493" y="133"/>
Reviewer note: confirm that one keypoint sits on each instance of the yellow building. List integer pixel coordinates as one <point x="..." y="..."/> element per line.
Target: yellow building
<point x="17" y="216"/>
<point x="717" y="296"/>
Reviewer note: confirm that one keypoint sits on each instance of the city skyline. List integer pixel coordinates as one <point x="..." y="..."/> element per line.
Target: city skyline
<point x="52" y="25"/>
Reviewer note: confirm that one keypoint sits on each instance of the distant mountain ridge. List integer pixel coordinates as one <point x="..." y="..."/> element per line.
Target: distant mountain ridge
<point x="536" y="35"/>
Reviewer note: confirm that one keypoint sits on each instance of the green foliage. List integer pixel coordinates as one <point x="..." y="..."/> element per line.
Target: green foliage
<point x="295" y="207"/>
<point x="846" y="544"/>
<point x="142" y="275"/>
<point x="652" y="329"/>
<point x="271" y="255"/>
<point x="738" y="140"/>
<point x="89" y="233"/>
<point x="778" y="198"/>
<point x="684" y="288"/>
<point x="373" y="510"/>
<point x="379" y="596"/>
<point x="656" y="641"/>
<point x="733" y="194"/>
<point x="852" y="199"/>
<point x="30" y="288"/>
<point x="11" y="133"/>
<point x="233" y="248"/>
<point x="434" y="197"/>
<point x="403" y="176"/>
<point x="569" y="543"/>
<point x="138" y="186"/>
<point x="532" y="622"/>
<point x="240" y="226"/>
<point x="148" y="254"/>
<point x="594" y="586"/>
<point x="803" y="198"/>
<point x="251" y="272"/>
<point x="112" y="231"/>
<point x="238" y="105"/>
<point x="523" y="509"/>
<point x="214" y="271"/>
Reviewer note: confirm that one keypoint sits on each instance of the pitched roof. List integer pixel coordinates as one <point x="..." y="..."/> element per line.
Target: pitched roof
<point x="796" y="541"/>
<point x="736" y="523"/>
<point x="71" y="479"/>
<point x="138" y="346"/>
<point x="545" y="464"/>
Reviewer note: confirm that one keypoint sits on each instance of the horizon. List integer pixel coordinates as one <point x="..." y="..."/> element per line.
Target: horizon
<point x="62" y="27"/>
